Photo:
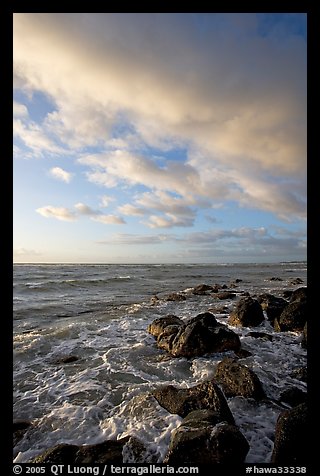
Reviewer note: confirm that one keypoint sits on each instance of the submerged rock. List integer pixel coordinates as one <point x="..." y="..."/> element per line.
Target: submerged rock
<point x="237" y="379"/>
<point x="292" y="437"/>
<point x="201" y="289"/>
<point x="205" y="396"/>
<point x="19" y="429"/>
<point x="225" y="295"/>
<point x="248" y="312"/>
<point x="300" y="373"/>
<point x="293" y="396"/>
<point x="260" y="335"/>
<point x="296" y="281"/>
<point x="110" y="451"/>
<point x="202" y="439"/>
<point x="176" y="297"/>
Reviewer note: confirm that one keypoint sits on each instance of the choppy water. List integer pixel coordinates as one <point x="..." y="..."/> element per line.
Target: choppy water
<point x="99" y="313"/>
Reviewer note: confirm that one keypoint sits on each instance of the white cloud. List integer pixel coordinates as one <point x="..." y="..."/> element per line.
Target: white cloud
<point x="83" y="209"/>
<point x="109" y="219"/>
<point x="35" y="138"/>
<point x="60" y="213"/>
<point x="60" y="174"/>
<point x="238" y="107"/>
<point x="106" y="200"/>
<point x="19" y="110"/>
<point x="131" y="210"/>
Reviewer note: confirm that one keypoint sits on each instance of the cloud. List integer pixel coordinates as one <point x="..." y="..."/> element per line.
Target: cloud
<point x="83" y="209"/>
<point x="60" y="174"/>
<point x="60" y="213"/>
<point x="238" y="107"/>
<point x="19" y="110"/>
<point x="106" y="200"/>
<point x="109" y="219"/>
<point x="131" y="210"/>
<point x="131" y="239"/>
<point x="25" y="252"/>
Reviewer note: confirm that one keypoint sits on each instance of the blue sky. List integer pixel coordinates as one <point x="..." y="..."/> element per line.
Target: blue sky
<point x="159" y="137"/>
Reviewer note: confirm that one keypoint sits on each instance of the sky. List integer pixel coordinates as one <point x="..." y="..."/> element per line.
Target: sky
<point x="159" y="137"/>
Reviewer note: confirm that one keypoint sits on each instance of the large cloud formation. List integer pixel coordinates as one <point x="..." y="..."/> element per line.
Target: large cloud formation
<point x="213" y="86"/>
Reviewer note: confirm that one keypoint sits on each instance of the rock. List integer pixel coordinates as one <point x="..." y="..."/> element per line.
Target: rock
<point x="201" y="289"/>
<point x="304" y="337"/>
<point x="176" y="297"/>
<point x="238" y="380"/>
<point x="19" y="429"/>
<point x="300" y="373"/>
<point x="272" y="305"/>
<point x="225" y="295"/>
<point x="260" y="335"/>
<point x="299" y="294"/>
<point x="243" y="353"/>
<point x="293" y="396"/>
<point x="154" y="300"/>
<point x="201" y="439"/>
<point x="296" y="281"/>
<point x="68" y="359"/>
<point x="205" y="396"/>
<point x="202" y="335"/>
<point x="292" y="318"/>
<point x="276" y="279"/>
<point x="166" y="337"/>
<point x="107" y="452"/>
<point x="248" y="312"/>
<point x="292" y="437"/>
<point x="287" y="293"/>
<point x="158" y="325"/>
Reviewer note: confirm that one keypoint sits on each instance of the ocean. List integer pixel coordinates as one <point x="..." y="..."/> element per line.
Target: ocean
<point x="84" y="363"/>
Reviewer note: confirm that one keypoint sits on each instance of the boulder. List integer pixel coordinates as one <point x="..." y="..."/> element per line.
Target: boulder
<point x="107" y="452"/>
<point x="296" y="281"/>
<point x="176" y="297"/>
<point x="292" y="318"/>
<point x="225" y="295"/>
<point x="204" y="396"/>
<point x="287" y="293"/>
<point x="67" y="359"/>
<point x="238" y="380"/>
<point x="201" y="289"/>
<point x="275" y="278"/>
<point x="248" y="312"/>
<point x="272" y="305"/>
<point x="158" y="325"/>
<point x="260" y="335"/>
<point x="293" y="396"/>
<point x="299" y="294"/>
<point x="202" y="439"/>
<point x="292" y="437"/>
<point x="300" y="373"/>
<point x="201" y="335"/>
<point x="19" y="429"/>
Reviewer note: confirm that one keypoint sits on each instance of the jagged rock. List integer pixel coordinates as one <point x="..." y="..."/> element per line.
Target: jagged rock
<point x="202" y="439"/>
<point x="158" y="325"/>
<point x="292" y="318"/>
<point x="154" y="300"/>
<point x="293" y="396"/>
<point x="205" y="396"/>
<point x="287" y="293"/>
<point x="107" y="452"/>
<point x="292" y="437"/>
<point x="260" y="335"/>
<point x="276" y="279"/>
<point x="248" y="312"/>
<point x="243" y="353"/>
<point x="68" y="359"/>
<point x="201" y="335"/>
<point x="225" y="295"/>
<point x="201" y="289"/>
<point x="299" y="294"/>
<point x="300" y="373"/>
<point x="176" y="297"/>
<point x="272" y="305"/>
<point x="237" y="379"/>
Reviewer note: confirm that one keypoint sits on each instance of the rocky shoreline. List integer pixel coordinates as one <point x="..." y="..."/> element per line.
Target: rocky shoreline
<point x="208" y="433"/>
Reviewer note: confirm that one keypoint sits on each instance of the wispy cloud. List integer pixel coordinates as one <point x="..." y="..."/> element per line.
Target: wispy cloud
<point x="80" y="209"/>
<point x="19" y="110"/>
<point x="60" y="213"/>
<point x="60" y="174"/>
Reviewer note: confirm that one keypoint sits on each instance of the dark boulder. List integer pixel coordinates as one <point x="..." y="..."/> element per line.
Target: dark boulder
<point x="299" y="294"/>
<point x="67" y="359"/>
<point x="287" y="293"/>
<point x="248" y="312"/>
<point x="237" y="379"/>
<point x="272" y="305"/>
<point x="300" y="373"/>
<point x="201" y="289"/>
<point x="110" y="451"/>
<point x="275" y="278"/>
<point x="202" y="335"/>
<point x="205" y="396"/>
<point x="296" y="281"/>
<point x="292" y="437"/>
<point x="293" y="396"/>
<point x="165" y="339"/>
<point x="158" y="325"/>
<point x="292" y="318"/>
<point x="225" y="295"/>
<point x="176" y="297"/>
<point x="19" y="429"/>
<point x="202" y="439"/>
